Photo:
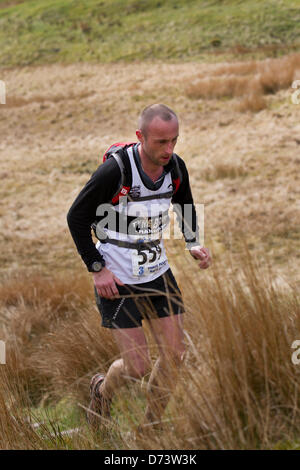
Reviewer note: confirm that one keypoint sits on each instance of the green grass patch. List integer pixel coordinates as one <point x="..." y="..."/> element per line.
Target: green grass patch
<point x="40" y="31"/>
<point x="62" y="416"/>
<point x="287" y="445"/>
<point x="63" y="424"/>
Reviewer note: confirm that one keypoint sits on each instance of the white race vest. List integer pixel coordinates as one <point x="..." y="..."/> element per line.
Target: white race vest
<point x="150" y="219"/>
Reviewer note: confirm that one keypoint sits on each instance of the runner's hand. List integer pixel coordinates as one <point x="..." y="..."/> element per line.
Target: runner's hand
<point x="106" y="283"/>
<point x="203" y="254"/>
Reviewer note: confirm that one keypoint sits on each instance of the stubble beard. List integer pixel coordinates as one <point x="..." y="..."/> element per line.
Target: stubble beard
<point x="153" y="160"/>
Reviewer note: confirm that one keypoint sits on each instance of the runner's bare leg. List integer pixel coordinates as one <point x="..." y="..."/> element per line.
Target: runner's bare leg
<point x="168" y="333"/>
<point x="134" y="362"/>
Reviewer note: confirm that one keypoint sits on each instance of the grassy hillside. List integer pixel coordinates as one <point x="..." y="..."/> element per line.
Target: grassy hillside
<point x="39" y="31"/>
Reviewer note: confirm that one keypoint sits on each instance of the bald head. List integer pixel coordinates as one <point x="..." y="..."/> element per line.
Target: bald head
<point x="155" y="110"/>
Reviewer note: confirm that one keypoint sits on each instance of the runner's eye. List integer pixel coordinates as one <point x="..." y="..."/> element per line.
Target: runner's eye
<point x="166" y="141"/>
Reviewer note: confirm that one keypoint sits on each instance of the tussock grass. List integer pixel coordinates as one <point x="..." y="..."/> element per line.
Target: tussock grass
<point x="250" y="327"/>
<point x="223" y="170"/>
<point x="249" y="81"/>
<point x="252" y="102"/>
<point x="16" y="430"/>
<point x="31" y="309"/>
<point x="238" y="388"/>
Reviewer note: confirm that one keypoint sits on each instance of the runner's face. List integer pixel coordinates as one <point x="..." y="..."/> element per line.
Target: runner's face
<point x="159" y="142"/>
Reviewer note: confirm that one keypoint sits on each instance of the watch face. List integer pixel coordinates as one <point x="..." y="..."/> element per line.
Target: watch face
<point x="96" y="266"/>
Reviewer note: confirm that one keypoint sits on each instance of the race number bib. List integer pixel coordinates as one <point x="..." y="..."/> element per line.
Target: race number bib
<point x="146" y="261"/>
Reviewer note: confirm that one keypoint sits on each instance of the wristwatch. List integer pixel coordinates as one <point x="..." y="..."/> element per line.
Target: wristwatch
<point x="96" y="267"/>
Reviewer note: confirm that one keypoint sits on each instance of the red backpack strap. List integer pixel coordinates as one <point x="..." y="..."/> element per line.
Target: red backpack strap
<point x="176" y="174"/>
<point x="115" y="147"/>
<point x="118" y="151"/>
<point x="125" y="184"/>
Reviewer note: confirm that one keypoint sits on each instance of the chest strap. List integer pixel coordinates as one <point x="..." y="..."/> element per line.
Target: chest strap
<point x="166" y="195"/>
<point x="133" y="245"/>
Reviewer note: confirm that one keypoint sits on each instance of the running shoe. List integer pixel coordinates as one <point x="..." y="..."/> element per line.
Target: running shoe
<point x="99" y="408"/>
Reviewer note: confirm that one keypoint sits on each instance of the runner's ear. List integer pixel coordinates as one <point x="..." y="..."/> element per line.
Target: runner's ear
<point x="140" y="136"/>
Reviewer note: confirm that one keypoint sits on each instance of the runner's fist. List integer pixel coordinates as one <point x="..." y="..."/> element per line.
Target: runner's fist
<point x="106" y="283"/>
<point x="203" y="254"/>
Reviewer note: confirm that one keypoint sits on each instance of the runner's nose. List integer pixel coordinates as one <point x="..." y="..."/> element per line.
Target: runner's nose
<point x="169" y="149"/>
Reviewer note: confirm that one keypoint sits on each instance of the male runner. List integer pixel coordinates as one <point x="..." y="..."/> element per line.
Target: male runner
<point x="132" y="278"/>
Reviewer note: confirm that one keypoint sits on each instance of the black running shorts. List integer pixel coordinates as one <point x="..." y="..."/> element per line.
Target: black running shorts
<point x="149" y="300"/>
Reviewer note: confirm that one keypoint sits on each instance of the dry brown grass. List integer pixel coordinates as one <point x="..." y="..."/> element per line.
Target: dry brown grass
<point x="38" y="313"/>
<point x="15" y="429"/>
<point x="250" y="80"/>
<point x="248" y="328"/>
<point x="238" y="388"/>
<point x="252" y="102"/>
<point x="228" y="86"/>
<point x="15" y="102"/>
<point x="223" y="170"/>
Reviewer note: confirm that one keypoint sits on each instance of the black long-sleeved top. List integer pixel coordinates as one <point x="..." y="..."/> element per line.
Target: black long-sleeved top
<point x="101" y="188"/>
